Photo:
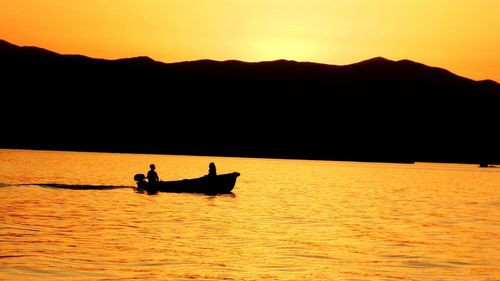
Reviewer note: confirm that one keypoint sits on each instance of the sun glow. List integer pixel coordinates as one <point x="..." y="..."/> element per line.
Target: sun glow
<point x="284" y="48"/>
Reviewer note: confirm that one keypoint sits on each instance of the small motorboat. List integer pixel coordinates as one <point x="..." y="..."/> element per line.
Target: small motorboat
<point x="210" y="184"/>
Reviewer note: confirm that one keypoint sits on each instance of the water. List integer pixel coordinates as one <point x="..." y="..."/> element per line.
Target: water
<point x="287" y="220"/>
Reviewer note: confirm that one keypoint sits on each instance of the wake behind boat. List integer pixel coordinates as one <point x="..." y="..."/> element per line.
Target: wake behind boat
<point x="210" y="184"/>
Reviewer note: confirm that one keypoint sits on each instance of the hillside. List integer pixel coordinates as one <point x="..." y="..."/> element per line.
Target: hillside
<point x="375" y="110"/>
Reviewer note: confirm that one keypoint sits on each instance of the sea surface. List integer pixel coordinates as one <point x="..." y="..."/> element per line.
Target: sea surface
<point x="75" y="216"/>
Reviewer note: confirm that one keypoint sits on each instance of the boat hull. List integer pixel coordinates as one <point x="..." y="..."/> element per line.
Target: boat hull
<point x="220" y="184"/>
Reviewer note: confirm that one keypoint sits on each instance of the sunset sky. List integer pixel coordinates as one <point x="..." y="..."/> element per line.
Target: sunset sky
<point x="462" y="36"/>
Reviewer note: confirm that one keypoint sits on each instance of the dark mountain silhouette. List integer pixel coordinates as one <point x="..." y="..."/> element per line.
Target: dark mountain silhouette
<point x="375" y="110"/>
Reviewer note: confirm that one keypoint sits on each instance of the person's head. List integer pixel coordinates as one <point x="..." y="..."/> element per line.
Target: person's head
<point x="211" y="165"/>
<point x="152" y="166"/>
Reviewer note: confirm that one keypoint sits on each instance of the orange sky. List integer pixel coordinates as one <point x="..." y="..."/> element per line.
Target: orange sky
<point x="460" y="35"/>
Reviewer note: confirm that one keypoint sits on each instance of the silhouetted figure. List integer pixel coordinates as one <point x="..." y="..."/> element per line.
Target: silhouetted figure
<point x="211" y="170"/>
<point x="153" y="179"/>
<point x="152" y="175"/>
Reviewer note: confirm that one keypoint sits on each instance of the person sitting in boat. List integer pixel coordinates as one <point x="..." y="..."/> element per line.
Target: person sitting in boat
<point x="211" y="170"/>
<point x="152" y="175"/>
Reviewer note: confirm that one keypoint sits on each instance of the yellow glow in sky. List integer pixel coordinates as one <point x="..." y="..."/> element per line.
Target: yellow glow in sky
<point x="462" y="36"/>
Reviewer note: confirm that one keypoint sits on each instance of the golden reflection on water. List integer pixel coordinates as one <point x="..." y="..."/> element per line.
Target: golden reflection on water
<point x="287" y="220"/>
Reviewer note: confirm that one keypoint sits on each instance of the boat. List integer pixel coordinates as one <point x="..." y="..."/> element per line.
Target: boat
<point x="217" y="184"/>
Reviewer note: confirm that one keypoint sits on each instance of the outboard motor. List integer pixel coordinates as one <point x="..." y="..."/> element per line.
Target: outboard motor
<point x="141" y="183"/>
<point x="139" y="177"/>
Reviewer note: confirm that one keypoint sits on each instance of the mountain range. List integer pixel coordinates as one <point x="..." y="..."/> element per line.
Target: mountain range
<point x="374" y="110"/>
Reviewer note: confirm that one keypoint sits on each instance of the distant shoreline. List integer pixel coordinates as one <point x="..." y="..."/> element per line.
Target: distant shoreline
<point x="492" y="165"/>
